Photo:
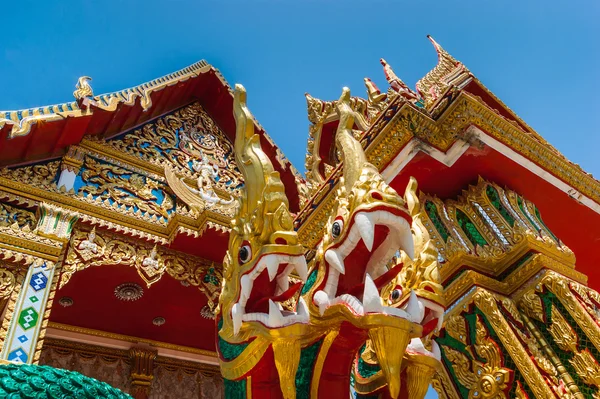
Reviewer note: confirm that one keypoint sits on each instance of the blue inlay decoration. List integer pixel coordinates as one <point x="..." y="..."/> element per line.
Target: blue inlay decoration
<point x="18" y="355"/>
<point x="23" y="338"/>
<point x="38" y="281"/>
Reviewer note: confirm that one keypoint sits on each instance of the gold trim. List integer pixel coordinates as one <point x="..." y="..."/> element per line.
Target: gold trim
<point x="128" y="338"/>
<point x="22" y="120"/>
<point x="325" y="346"/>
<point x="389" y="137"/>
<point x="486" y="302"/>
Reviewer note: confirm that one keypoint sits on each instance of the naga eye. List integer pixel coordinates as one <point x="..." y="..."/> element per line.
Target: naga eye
<point x="396" y="294"/>
<point x="336" y="228"/>
<point x="245" y="253"/>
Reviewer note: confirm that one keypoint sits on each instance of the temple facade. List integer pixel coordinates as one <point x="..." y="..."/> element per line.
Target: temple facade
<point x="127" y="222"/>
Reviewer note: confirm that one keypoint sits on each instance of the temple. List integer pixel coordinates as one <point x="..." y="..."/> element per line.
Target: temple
<point x="155" y="243"/>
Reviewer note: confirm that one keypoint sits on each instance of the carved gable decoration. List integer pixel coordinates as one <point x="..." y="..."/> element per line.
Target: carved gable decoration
<point x="182" y="138"/>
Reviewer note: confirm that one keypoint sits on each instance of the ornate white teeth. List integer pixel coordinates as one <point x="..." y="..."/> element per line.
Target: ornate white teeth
<point x="366" y="228"/>
<point x="275" y="316"/>
<point x="272" y="263"/>
<point x="435" y="350"/>
<point x="283" y="284"/>
<point x="237" y="312"/>
<point x="302" y="309"/>
<point x="299" y="263"/>
<point x="246" y="284"/>
<point x="321" y="300"/>
<point x="371" y="299"/>
<point x="335" y="260"/>
<point x="416" y="346"/>
<point x="407" y="244"/>
<point x="440" y="322"/>
<point x="415" y="308"/>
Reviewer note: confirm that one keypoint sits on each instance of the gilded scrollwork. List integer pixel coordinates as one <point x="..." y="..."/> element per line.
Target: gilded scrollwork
<point x="483" y="379"/>
<point x="179" y="139"/>
<point x="531" y="304"/>
<point x="132" y="190"/>
<point x="488" y="304"/>
<point x="587" y="367"/>
<point x="10" y="215"/>
<point x="562" y="332"/>
<point x="7" y="283"/>
<point x="456" y="327"/>
<point x="41" y="175"/>
<point x="91" y="249"/>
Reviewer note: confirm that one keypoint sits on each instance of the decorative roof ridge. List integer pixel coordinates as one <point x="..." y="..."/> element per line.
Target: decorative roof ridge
<point x="432" y="86"/>
<point x="22" y="120"/>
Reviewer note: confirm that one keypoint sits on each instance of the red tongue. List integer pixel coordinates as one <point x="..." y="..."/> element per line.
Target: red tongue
<point x="263" y="303"/>
<point x="429" y="326"/>
<point x="380" y="281"/>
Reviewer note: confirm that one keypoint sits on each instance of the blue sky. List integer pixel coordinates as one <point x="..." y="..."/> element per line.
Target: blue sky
<point x="540" y="57"/>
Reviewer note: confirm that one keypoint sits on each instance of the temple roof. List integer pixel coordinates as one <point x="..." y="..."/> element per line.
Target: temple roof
<point x="449" y="133"/>
<point x="35" y="134"/>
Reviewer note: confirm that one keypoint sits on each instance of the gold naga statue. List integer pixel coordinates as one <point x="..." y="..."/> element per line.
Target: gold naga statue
<point x="268" y="350"/>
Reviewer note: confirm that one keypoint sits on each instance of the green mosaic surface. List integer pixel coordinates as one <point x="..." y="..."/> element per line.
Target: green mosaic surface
<point x="549" y="300"/>
<point x="469" y="228"/>
<point x="309" y="282"/>
<point x="235" y="389"/>
<point x="494" y="198"/>
<point x="308" y="356"/>
<point x="31" y="381"/>
<point x="435" y="219"/>
<point x="365" y="369"/>
<point x="227" y="350"/>
<point x="459" y="346"/>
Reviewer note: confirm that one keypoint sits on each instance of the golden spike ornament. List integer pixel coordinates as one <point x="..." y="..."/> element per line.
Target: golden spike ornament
<point x="83" y="88"/>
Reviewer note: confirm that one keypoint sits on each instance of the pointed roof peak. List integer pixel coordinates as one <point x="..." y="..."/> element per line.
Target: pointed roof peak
<point x="440" y="51"/>
<point x="448" y="71"/>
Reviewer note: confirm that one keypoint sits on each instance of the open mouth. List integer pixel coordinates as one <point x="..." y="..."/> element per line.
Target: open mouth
<point x="264" y="288"/>
<point x="357" y="267"/>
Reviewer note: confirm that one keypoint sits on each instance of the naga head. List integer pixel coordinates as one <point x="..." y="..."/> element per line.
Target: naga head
<point x="417" y="287"/>
<point x="263" y="246"/>
<point x="420" y="279"/>
<point x="369" y="224"/>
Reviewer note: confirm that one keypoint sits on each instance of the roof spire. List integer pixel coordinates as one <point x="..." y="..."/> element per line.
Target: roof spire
<point x="443" y="55"/>
<point x="375" y="95"/>
<point x="447" y="72"/>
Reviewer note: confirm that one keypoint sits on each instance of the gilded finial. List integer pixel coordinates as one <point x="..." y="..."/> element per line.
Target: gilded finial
<point x="83" y="88"/>
<point x="432" y="85"/>
<point x="390" y="75"/>
<point x="373" y="92"/>
<point x="443" y="55"/>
